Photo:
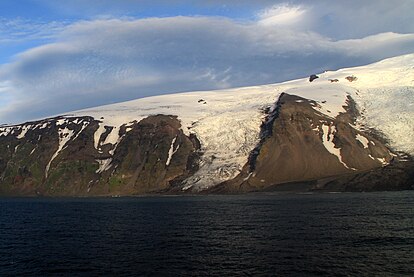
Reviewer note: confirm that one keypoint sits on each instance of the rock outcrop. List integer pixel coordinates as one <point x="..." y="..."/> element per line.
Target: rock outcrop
<point x="313" y="77"/>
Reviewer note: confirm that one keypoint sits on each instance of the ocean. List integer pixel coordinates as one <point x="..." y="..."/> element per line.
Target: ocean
<point x="342" y="234"/>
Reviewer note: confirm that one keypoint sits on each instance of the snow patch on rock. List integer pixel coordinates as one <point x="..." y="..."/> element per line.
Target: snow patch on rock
<point x="84" y="125"/>
<point x="104" y="165"/>
<point x="23" y="132"/>
<point x="172" y="151"/>
<point x="363" y="140"/>
<point x="65" y="136"/>
<point x="5" y="131"/>
<point x="327" y="139"/>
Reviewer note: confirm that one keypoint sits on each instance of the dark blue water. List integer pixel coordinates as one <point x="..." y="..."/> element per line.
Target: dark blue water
<point x="252" y="235"/>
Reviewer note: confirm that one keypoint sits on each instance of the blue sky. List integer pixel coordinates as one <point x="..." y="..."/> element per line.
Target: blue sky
<point x="58" y="56"/>
<point x="37" y="12"/>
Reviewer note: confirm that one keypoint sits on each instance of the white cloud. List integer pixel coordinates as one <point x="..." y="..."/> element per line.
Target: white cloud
<point x="358" y="19"/>
<point x="110" y="60"/>
<point x="283" y="14"/>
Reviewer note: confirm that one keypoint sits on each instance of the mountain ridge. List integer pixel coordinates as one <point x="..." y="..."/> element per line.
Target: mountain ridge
<point x="205" y="141"/>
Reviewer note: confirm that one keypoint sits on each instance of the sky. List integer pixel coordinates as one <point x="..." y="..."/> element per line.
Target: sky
<point x="60" y="56"/>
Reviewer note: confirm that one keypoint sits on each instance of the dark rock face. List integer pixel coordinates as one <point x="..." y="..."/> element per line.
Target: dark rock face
<point x="152" y="157"/>
<point x="395" y="176"/>
<point x="25" y="155"/>
<point x="313" y="77"/>
<point x="295" y="150"/>
<point x="58" y="157"/>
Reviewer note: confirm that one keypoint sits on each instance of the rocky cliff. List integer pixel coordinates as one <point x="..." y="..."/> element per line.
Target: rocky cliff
<point x="58" y="157"/>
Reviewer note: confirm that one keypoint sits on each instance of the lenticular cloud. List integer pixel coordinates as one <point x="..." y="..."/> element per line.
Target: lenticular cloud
<point x="99" y="62"/>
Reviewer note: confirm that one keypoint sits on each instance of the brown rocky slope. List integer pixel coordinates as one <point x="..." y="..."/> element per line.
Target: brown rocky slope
<point x="300" y="146"/>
